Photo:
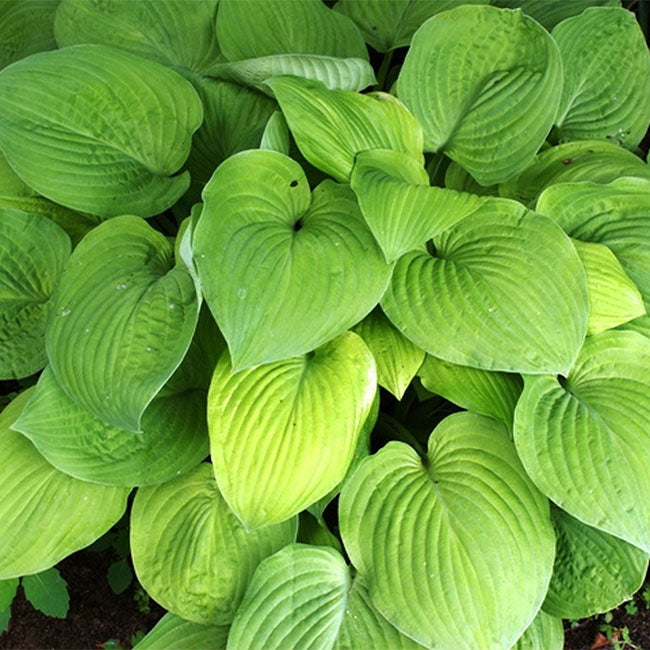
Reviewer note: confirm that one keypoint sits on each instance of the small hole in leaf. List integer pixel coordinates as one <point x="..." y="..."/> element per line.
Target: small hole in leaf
<point x="293" y="184"/>
<point x="431" y="248"/>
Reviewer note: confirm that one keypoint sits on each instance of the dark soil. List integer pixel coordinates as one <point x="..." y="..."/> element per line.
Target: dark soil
<point x="96" y="614"/>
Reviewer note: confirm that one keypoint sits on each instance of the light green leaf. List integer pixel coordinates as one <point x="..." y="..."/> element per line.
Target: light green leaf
<point x="105" y="154"/>
<point x="45" y="515"/>
<point x="25" y="28"/>
<point x="613" y="298"/>
<point x="505" y="291"/>
<point x="550" y="12"/>
<point x="574" y="436"/>
<point x="334" y="73"/>
<point x="396" y="357"/>
<point x="287" y="277"/>
<point x="640" y="325"/>
<point x="123" y="320"/>
<point x="615" y="215"/>
<point x="162" y="30"/>
<point x="585" y="160"/>
<point x="33" y="253"/>
<point x="276" y="134"/>
<point x="332" y="126"/>
<point x="485" y="85"/>
<point x="545" y="633"/>
<point x="606" y="77"/>
<point x="247" y="29"/>
<point x="489" y="393"/>
<point x="389" y="24"/>
<point x="594" y="572"/>
<point x="191" y="553"/>
<point x="47" y="591"/>
<point x="464" y="525"/>
<point x="172" y="631"/>
<point x="399" y="206"/>
<point x="299" y="418"/>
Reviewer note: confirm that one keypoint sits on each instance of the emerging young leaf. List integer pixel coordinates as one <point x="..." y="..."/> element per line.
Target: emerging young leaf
<point x="575" y="435"/>
<point x="123" y="320"/>
<point x="247" y="29"/>
<point x="489" y="393"/>
<point x="45" y="515"/>
<point x="283" y="434"/>
<point x="396" y="357"/>
<point x="331" y="127"/>
<point x="162" y="30"/>
<point x="288" y="276"/>
<point x="276" y="135"/>
<point x="505" y="291"/>
<point x="172" y="631"/>
<point x="485" y="85"/>
<point x="33" y="253"/>
<point x="594" y="572"/>
<point x="104" y="154"/>
<point x="191" y="553"/>
<point x="606" y="91"/>
<point x="464" y="523"/>
<point x="47" y="591"/>
<point x="545" y="633"/>
<point x="613" y="298"/>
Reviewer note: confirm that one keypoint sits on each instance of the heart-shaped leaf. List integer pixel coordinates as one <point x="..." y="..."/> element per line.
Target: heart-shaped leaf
<point x="247" y="29"/>
<point x="332" y="126"/>
<point x="594" y="572"/>
<point x="485" y="85"/>
<point x="104" y="153"/>
<point x="545" y="633"/>
<point x="297" y="419"/>
<point x="45" y="515"/>
<point x="606" y="77"/>
<point x="505" y="291"/>
<point x="123" y="320"/>
<point x="575" y="435"/>
<point x="33" y="252"/>
<point x="287" y="276"/>
<point x="191" y="553"/>
<point x="465" y="523"/>
<point x="172" y="631"/>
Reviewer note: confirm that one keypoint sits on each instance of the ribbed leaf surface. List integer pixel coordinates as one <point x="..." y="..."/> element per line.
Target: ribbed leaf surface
<point x="575" y="436"/>
<point x="550" y="12"/>
<point x="545" y="633"/>
<point x="283" y="434"/>
<point x="466" y="526"/>
<point x="191" y="553"/>
<point x="485" y="85"/>
<point x="172" y="631"/>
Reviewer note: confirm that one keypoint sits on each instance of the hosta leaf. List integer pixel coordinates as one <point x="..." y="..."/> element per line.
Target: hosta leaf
<point x="123" y="320"/>
<point x="47" y="591"/>
<point x="33" y="253"/>
<point x="8" y="590"/>
<point x="613" y="297"/>
<point x="191" y="553"/>
<point x="465" y="525"/>
<point x="25" y="28"/>
<point x="640" y="325"/>
<point x="485" y="85"/>
<point x="45" y="515"/>
<point x="545" y="633"/>
<point x="399" y="206"/>
<point x="504" y="291"/>
<point x="315" y="532"/>
<point x="247" y="29"/>
<point x="300" y="418"/>
<point x="276" y="135"/>
<point x="489" y="393"/>
<point x="330" y="127"/>
<point x="334" y="73"/>
<point x="459" y="179"/>
<point x="162" y="30"/>
<point x="615" y="215"/>
<point x="104" y="154"/>
<point x="593" y="573"/>
<point x="550" y="12"/>
<point x="584" y="160"/>
<point x="606" y="87"/>
<point x="397" y="358"/>
<point x="172" y="631"/>
<point x="287" y="277"/>
<point x="575" y="435"/>
<point x="388" y="24"/>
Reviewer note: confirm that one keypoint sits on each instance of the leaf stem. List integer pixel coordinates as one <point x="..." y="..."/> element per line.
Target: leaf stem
<point x="383" y="70"/>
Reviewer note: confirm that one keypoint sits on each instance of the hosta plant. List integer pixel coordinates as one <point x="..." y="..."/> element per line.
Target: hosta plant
<point x="343" y="303"/>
